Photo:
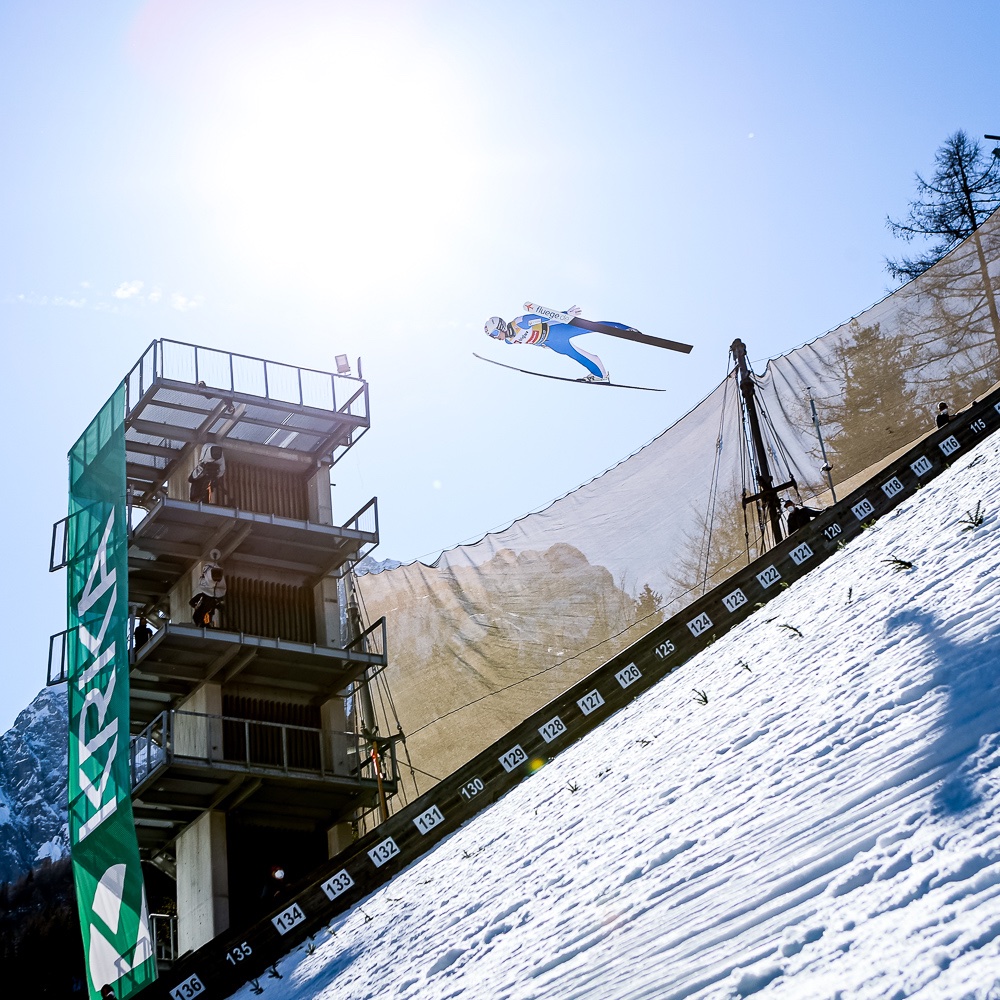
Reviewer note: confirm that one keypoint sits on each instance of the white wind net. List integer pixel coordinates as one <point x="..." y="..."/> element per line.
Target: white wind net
<point x="492" y="631"/>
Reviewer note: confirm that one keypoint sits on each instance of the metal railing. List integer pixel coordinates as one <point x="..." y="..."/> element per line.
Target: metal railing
<point x="365" y="519"/>
<point x="372" y="640"/>
<point x="230" y="742"/>
<point x="58" y="651"/>
<point x="58" y="664"/>
<point x="357" y="405"/>
<point x="227" y="372"/>
<point x="60" y="545"/>
<point x="163" y="929"/>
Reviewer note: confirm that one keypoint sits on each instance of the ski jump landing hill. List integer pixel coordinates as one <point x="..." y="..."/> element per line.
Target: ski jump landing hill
<point x="222" y="966"/>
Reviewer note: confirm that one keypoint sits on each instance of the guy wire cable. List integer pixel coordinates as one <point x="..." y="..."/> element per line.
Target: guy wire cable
<point x="713" y="489"/>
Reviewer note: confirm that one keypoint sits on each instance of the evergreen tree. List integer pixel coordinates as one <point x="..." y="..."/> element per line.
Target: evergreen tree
<point x="40" y="940"/>
<point x="963" y="191"/>
<point x="956" y="354"/>
<point x="877" y="411"/>
<point x="648" y="608"/>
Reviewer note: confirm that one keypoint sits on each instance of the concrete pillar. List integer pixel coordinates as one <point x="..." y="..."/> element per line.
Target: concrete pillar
<point x="336" y="740"/>
<point x="327" y="613"/>
<point x="178" y="487"/>
<point x="336" y="743"/>
<point x="320" y="496"/>
<point x="202" y="881"/>
<point x="199" y="734"/>
<point x="339" y="837"/>
<point x="325" y="592"/>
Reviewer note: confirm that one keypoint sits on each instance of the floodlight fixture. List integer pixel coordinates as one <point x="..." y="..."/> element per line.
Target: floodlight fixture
<point x="343" y="365"/>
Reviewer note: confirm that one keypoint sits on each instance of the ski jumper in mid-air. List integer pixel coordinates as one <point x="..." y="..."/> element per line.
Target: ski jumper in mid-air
<point x="533" y="328"/>
<point x="554" y="329"/>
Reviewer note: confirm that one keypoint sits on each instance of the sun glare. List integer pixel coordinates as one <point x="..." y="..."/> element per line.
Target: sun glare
<point x="342" y="163"/>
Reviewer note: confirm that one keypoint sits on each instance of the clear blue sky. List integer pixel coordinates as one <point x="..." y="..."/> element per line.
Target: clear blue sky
<point x="295" y="179"/>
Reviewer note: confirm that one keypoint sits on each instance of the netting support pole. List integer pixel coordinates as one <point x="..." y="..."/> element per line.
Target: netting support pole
<point x="765" y="484"/>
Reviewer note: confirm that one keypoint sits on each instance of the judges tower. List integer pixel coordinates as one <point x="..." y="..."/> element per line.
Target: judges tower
<point x="247" y="767"/>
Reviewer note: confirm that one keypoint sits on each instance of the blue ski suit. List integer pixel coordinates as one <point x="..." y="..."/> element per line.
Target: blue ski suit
<point x="534" y="329"/>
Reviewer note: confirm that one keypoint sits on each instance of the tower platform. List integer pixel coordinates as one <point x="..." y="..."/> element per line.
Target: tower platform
<point x="180" y="658"/>
<point x="178" y="394"/>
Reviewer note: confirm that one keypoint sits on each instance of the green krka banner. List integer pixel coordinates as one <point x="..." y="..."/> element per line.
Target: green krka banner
<point x="118" y="949"/>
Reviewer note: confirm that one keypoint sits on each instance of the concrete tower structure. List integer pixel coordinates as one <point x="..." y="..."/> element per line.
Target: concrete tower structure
<point x="247" y="765"/>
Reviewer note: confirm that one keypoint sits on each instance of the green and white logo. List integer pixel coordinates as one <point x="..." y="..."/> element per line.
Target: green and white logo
<point x="117" y="945"/>
<point x="110" y="896"/>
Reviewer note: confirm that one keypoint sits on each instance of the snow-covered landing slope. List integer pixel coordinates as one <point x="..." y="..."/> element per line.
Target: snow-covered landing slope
<point x="825" y="826"/>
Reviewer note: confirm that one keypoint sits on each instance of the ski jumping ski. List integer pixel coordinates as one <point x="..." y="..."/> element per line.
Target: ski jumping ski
<point x="571" y="318"/>
<point x="563" y="378"/>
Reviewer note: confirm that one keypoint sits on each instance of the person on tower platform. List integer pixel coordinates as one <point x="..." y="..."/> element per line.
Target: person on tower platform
<point x="141" y="634"/>
<point x="209" y="593"/>
<point x="207" y="475"/>
<point x="799" y="516"/>
<point x="943" y="416"/>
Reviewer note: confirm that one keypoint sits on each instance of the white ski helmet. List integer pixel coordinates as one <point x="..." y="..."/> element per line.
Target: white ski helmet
<point x="496" y="327"/>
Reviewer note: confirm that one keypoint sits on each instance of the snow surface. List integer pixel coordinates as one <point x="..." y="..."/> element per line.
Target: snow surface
<point x="51" y="849"/>
<point x="824" y="827"/>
